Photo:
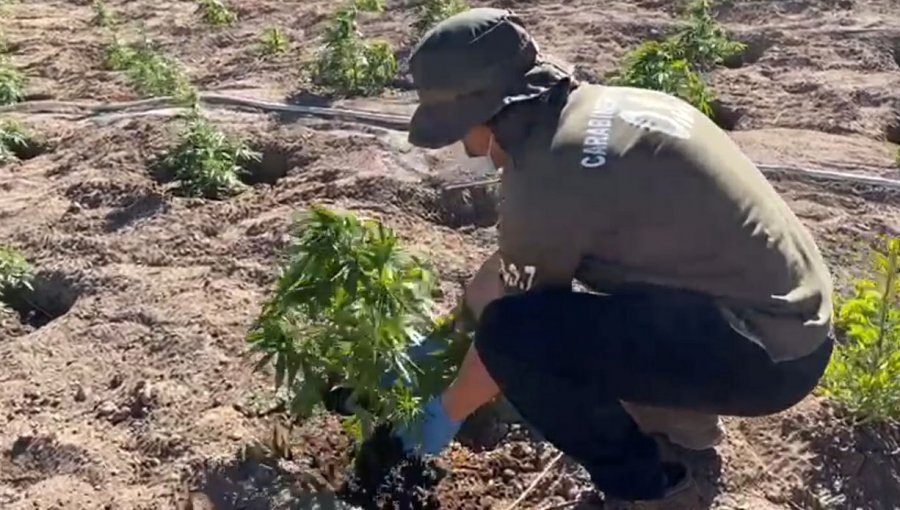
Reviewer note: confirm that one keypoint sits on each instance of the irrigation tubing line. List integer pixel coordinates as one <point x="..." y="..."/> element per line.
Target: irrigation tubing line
<point x="84" y="110"/>
<point x="534" y="483"/>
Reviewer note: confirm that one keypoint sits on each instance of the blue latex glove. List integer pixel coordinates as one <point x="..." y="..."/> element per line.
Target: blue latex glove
<point x="431" y="432"/>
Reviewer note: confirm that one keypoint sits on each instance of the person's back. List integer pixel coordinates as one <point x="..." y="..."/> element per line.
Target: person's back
<point x="638" y="188"/>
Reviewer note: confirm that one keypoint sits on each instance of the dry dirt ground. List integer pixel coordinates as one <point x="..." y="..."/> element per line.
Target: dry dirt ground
<point x="139" y="394"/>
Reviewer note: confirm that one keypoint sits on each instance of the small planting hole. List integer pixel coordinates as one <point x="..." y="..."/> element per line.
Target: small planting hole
<point x="725" y="116"/>
<point x="892" y="128"/>
<point x="52" y="295"/>
<point x="476" y="206"/>
<point x="273" y="164"/>
<point x="757" y="45"/>
<point x="30" y="149"/>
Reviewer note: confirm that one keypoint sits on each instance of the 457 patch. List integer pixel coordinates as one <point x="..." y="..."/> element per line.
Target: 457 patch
<point x="516" y="277"/>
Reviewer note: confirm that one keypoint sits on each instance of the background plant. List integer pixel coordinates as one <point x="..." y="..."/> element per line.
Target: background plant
<point x="149" y="71"/>
<point x="207" y="162"/>
<point x="864" y="373"/>
<point x="431" y="12"/>
<point x="14" y="138"/>
<point x="344" y="310"/>
<point x="274" y="41"/>
<point x="349" y="65"/>
<point x="12" y="83"/>
<point x="103" y="15"/>
<point x="674" y="65"/>
<point x="16" y="273"/>
<point x="216" y="13"/>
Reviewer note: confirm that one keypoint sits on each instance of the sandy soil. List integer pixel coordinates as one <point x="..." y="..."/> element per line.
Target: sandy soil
<point x="139" y="393"/>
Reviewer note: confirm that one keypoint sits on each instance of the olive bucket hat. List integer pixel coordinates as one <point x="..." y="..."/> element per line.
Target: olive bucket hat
<point x="466" y="69"/>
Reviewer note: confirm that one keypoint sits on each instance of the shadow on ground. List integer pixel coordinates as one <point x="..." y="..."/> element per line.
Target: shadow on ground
<point x="250" y="482"/>
<point x="857" y="467"/>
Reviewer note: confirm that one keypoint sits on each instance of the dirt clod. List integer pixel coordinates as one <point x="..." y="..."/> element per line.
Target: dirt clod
<point x="476" y="206"/>
<point x="384" y="477"/>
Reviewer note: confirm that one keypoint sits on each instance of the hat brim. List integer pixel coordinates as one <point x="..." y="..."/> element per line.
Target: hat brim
<point x="436" y="125"/>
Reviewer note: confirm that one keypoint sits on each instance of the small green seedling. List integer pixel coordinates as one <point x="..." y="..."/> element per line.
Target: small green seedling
<point x="103" y="15"/>
<point x="149" y="71"/>
<point x="431" y="12"/>
<point x="206" y="162"/>
<point x="349" y="65"/>
<point x="14" y="139"/>
<point x="16" y="273"/>
<point x="345" y="304"/>
<point x="274" y="42"/>
<point x="12" y="83"/>
<point x="864" y="373"/>
<point x="216" y="13"/>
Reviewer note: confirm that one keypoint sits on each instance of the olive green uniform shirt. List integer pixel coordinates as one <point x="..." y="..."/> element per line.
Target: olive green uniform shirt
<point x="634" y="187"/>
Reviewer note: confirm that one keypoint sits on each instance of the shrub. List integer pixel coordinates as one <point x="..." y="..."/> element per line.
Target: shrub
<point x="274" y="42"/>
<point x="12" y="83"/>
<point x="431" y="12"/>
<point x="14" y="138"/>
<point x="149" y="71"/>
<point x="674" y="64"/>
<point x="864" y="373"/>
<point x="344" y="308"/>
<point x="206" y="162"/>
<point x="216" y="13"/>
<point x="348" y="64"/>
<point x="16" y="273"/>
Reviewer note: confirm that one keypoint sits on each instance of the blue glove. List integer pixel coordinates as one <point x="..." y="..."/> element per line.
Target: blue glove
<point x="431" y="432"/>
<point x="417" y="352"/>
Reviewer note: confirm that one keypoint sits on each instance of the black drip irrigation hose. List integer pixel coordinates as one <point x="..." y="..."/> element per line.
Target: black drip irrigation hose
<point x="101" y="111"/>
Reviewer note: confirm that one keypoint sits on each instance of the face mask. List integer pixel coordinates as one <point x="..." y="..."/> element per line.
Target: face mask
<point x="483" y="165"/>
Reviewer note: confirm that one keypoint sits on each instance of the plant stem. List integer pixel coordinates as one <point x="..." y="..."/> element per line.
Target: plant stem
<point x="887" y="298"/>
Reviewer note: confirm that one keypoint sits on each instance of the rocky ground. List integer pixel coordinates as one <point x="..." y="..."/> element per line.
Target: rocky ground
<point x="125" y="382"/>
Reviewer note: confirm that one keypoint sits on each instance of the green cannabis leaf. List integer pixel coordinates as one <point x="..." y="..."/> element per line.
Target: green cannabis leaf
<point x="345" y="310"/>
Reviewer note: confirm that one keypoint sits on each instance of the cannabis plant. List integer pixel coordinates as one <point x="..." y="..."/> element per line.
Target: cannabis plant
<point x="16" y="273"/>
<point x="274" y="42"/>
<point x="864" y="373"/>
<point x="348" y="64"/>
<point x="347" y="306"/>
<point x="14" y="138"/>
<point x="674" y="65"/>
<point x="431" y="12"/>
<point x="216" y="13"/>
<point x="12" y="83"/>
<point x="206" y="162"/>
<point x="149" y="71"/>
<point x="103" y="15"/>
